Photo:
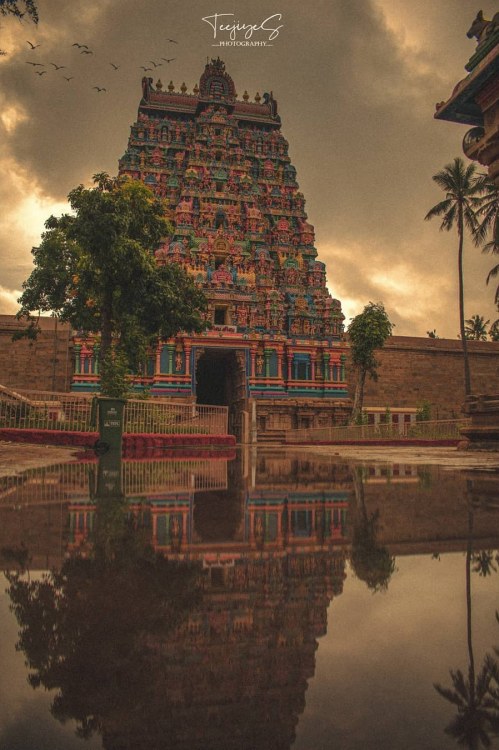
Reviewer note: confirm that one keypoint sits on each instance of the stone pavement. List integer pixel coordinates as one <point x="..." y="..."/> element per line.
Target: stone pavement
<point x="453" y="458"/>
<point x="17" y="457"/>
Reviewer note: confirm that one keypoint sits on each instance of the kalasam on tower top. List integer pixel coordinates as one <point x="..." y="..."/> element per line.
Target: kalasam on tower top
<point x="276" y="348"/>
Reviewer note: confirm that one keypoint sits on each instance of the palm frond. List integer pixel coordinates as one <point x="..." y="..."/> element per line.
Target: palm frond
<point x="439" y="209"/>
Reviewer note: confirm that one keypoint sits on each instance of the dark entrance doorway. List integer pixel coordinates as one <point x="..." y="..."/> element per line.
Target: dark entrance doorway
<point x="221" y="381"/>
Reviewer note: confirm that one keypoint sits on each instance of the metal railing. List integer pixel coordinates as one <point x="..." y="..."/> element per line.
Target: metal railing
<point x="164" y="417"/>
<point x="152" y="477"/>
<point x="445" y="429"/>
<point x="77" y="482"/>
<point x="41" y="410"/>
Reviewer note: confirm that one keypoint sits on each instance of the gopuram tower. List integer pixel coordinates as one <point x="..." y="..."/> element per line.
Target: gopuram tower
<point x="275" y="348"/>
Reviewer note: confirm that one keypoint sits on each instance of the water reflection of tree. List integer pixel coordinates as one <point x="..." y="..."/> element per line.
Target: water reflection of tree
<point x="90" y="631"/>
<point x="476" y="696"/>
<point x="371" y="562"/>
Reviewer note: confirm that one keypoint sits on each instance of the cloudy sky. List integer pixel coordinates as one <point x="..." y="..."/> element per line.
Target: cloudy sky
<point x="356" y="83"/>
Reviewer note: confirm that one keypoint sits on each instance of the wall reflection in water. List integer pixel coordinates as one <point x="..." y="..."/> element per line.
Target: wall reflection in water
<point x="188" y="594"/>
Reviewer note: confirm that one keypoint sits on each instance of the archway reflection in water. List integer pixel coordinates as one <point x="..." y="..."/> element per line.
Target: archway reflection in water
<point x="249" y="601"/>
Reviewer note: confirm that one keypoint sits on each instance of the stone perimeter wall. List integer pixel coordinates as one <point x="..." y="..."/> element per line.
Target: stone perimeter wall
<point x="412" y="370"/>
<point x="41" y="365"/>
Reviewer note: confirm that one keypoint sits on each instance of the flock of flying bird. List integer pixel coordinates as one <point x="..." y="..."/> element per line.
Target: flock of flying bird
<point x="84" y="49"/>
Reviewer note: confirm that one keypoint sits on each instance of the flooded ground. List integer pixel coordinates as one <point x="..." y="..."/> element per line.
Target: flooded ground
<point x="250" y="601"/>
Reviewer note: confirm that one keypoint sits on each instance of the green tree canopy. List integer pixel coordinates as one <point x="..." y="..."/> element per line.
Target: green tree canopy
<point x="91" y="632"/>
<point x="368" y="331"/>
<point x="370" y="561"/>
<point x="95" y="268"/>
<point x="488" y="231"/>
<point x="19" y="9"/>
<point x="494" y="330"/>
<point x="476" y="328"/>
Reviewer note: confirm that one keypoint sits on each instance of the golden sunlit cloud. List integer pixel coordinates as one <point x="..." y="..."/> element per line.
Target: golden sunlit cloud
<point x="8" y="300"/>
<point x="25" y="211"/>
<point x="32" y="212"/>
<point x="12" y="116"/>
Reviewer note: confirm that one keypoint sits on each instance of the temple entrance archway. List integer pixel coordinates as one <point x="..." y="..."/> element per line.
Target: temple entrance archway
<point x="221" y="381"/>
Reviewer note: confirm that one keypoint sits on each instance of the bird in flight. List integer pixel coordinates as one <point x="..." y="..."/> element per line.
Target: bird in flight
<point x="86" y="52"/>
<point x="35" y="64"/>
<point x="116" y="67"/>
<point x="80" y="46"/>
<point x="40" y="72"/>
<point x="145" y="69"/>
<point x="172" y="41"/>
<point x="98" y="88"/>
<point x="57" y="67"/>
<point x="33" y="46"/>
<point x="156" y="65"/>
<point x="169" y="60"/>
<point x="70" y="78"/>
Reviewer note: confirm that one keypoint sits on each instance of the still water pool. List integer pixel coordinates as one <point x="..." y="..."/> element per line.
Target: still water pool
<point x="259" y="601"/>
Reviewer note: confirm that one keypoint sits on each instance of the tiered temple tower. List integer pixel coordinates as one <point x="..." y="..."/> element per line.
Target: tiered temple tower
<point x="275" y="349"/>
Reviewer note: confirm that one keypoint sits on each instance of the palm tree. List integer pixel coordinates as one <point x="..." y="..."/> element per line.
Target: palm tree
<point x="475" y="697"/>
<point x="489" y="226"/>
<point x="476" y="328"/>
<point x="494" y="330"/>
<point x="477" y="714"/>
<point x="463" y="197"/>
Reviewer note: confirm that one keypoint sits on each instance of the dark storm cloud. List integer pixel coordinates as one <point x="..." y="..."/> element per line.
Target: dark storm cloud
<point x="356" y="83"/>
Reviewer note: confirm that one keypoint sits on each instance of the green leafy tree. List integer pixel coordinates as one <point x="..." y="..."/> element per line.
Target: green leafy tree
<point x="463" y="197"/>
<point x="20" y="9"/>
<point x="95" y="268"/>
<point x="488" y="231"/>
<point x="423" y="413"/>
<point x="92" y="631"/>
<point x="367" y="332"/>
<point x="494" y="331"/>
<point x="476" y="328"/>
<point x="371" y="562"/>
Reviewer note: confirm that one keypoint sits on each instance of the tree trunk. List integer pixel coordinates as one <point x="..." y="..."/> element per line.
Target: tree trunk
<point x="471" y="657"/>
<point x="467" y="378"/>
<point x="358" y="401"/>
<point x="106" y="325"/>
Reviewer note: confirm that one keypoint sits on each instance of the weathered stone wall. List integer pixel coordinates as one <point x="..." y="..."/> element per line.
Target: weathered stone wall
<point x="431" y="507"/>
<point x="42" y="365"/>
<point x="413" y="370"/>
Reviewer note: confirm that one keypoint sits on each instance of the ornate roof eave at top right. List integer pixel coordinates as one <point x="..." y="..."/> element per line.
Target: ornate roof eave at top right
<point x="487" y="35"/>
<point x="482" y="67"/>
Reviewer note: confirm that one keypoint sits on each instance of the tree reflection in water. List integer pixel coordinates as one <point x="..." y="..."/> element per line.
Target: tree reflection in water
<point x="89" y="631"/>
<point x="157" y="655"/>
<point x="477" y="696"/>
<point x="370" y="562"/>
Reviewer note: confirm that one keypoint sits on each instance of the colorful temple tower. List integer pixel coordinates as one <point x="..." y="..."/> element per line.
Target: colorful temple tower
<point x="275" y="350"/>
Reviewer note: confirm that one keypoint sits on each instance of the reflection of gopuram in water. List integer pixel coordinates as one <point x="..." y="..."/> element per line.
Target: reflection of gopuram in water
<point x="220" y="511"/>
<point x="269" y="558"/>
<point x="258" y="546"/>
